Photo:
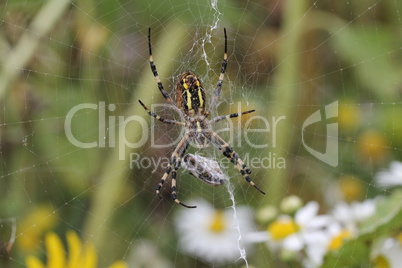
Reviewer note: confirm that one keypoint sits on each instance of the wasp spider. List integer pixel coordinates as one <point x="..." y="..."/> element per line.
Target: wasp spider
<point x="191" y="101"/>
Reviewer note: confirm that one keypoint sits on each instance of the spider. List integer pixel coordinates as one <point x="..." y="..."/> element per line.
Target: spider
<point x="190" y="101"/>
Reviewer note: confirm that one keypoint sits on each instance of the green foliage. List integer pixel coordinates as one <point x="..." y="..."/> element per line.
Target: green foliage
<point x="369" y="52"/>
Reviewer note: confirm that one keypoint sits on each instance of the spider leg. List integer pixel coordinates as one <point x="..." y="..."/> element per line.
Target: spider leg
<point x="155" y="72"/>
<point x="180" y="148"/>
<point x="175" y="162"/>
<point x="162" y="181"/>
<point x="222" y="75"/>
<point x="228" y="151"/>
<point x="163" y="120"/>
<point x="219" y="118"/>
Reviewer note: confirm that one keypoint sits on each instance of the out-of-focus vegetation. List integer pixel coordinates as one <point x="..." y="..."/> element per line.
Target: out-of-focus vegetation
<point x="286" y="58"/>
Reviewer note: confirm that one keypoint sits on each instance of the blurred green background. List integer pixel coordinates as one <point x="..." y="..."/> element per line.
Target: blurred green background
<point x="285" y="58"/>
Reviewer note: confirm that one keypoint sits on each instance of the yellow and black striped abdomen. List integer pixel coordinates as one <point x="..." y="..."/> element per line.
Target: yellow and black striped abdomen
<point x="190" y="93"/>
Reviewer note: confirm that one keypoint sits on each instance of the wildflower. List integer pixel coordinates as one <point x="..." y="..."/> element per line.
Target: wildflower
<point x="348" y="115"/>
<point x="346" y="188"/>
<point x="214" y="236"/>
<point x="33" y="226"/>
<point x="292" y="233"/>
<point x="316" y="248"/>
<point x="291" y="204"/>
<point x="266" y="213"/>
<point x="387" y="253"/>
<point x="347" y="218"/>
<point x="351" y="215"/>
<point x="303" y="232"/>
<point x="352" y="188"/>
<point x="79" y="256"/>
<point x="337" y="236"/>
<point x="391" y="177"/>
<point x="372" y="145"/>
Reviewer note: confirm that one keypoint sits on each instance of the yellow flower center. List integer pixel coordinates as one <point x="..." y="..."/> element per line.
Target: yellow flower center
<point x="372" y="144"/>
<point x="348" y="115"/>
<point x="351" y="187"/>
<point x="218" y="223"/>
<point x="280" y="229"/>
<point x="337" y="242"/>
<point x="399" y="238"/>
<point x="381" y="262"/>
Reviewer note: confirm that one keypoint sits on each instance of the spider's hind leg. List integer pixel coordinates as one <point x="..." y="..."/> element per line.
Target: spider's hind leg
<point x="175" y="162"/>
<point x="181" y="148"/>
<point x="228" y="151"/>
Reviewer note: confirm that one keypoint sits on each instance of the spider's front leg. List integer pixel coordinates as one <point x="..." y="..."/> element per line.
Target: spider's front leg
<point x="163" y="120"/>
<point x="220" y="118"/>
<point x="228" y="151"/>
<point x="175" y="162"/>
<point x="155" y="72"/>
<point x="221" y="76"/>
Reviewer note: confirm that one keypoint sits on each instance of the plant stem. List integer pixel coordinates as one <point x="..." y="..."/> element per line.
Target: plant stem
<point x="286" y="89"/>
<point x="29" y="42"/>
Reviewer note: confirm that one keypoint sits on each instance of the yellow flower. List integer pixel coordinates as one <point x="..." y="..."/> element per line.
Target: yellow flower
<point x="372" y="145"/>
<point x="399" y="239"/>
<point x="352" y="188"/>
<point x="79" y="256"/>
<point x="348" y="115"/>
<point x="32" y="228"/>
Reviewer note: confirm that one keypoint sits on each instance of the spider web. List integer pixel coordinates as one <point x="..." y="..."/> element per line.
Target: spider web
<point x="94" y="58"/>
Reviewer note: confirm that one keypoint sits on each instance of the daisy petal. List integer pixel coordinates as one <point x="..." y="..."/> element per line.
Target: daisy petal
<point x="306" y="213"/>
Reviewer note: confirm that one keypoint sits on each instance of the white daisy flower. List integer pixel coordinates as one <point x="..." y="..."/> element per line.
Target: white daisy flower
<point x="306" y="222"/>
<point x="347" y="218"/>
<point x="304" y="231"/>
<point x="351" y="215"/>
<point x="316" y="248"/>
<point x="387" y="253"/>
<point x="215" y="236"/>
<point x="390" y="178"/>
<point x="338" y="235"/>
